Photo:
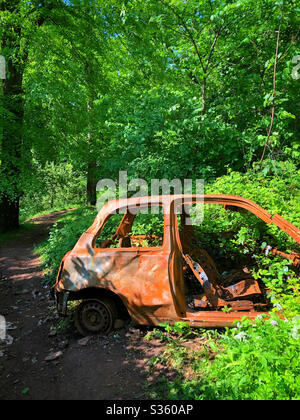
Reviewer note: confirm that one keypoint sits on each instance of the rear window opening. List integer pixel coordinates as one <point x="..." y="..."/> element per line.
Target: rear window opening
<point x="140" y="227"/>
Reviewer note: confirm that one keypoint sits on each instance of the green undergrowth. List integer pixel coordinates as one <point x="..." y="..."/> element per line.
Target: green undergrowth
<point x="252" y="361"/>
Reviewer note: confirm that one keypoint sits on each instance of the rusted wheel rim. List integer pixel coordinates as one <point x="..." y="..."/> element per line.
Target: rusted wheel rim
<point x="94" y="316"/>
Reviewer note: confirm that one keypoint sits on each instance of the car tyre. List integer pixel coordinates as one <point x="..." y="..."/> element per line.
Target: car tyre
<point x="95" y="316"/>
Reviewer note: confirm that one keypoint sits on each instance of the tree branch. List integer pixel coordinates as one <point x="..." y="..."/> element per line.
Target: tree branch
<point x="273" y="101"/>
<point x="212" y="49"/>
<point x="189" y="34"/>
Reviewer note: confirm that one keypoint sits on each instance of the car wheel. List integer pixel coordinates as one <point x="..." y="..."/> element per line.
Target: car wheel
<point x="95" y="316"/>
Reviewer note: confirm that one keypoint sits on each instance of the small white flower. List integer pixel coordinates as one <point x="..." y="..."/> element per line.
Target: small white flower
<point x="241" y="336"/>
<point x="278" y="306"/>
<point x="273" y="322"/>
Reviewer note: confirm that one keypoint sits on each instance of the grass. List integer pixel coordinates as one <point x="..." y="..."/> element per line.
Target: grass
<point x="17" y="233"/>
<point x="28" y="216"/>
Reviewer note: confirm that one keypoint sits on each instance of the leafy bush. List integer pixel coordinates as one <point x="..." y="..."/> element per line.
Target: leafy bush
<point x="260" y="361"/>
<point x="62" y="238"/>
<point x="237" y="234"/>
<point x="53" y="186"/>
<point x="281" y="281"/>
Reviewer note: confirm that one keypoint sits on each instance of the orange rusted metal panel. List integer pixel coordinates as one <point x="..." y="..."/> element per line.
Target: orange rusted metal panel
<point x="152" y="281"/>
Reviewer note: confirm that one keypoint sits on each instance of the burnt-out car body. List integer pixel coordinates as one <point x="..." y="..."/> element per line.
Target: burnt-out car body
<point x="170" y="279"/>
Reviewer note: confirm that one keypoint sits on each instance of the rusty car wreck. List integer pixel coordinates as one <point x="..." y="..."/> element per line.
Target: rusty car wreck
<point x="173" y="280"/>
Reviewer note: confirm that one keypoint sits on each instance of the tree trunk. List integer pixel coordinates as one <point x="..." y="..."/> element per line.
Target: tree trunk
<point x="12" y="96"/>
<point x="203" y="96"/>
<point x="13" y="105"/>
<point x="9" y="213"/>
<point x="91" y="194"/>
<point x="91" y="183"/>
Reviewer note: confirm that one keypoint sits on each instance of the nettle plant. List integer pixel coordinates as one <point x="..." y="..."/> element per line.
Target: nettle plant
<point x="259" y="361"/>
<point x="281" y="281"/>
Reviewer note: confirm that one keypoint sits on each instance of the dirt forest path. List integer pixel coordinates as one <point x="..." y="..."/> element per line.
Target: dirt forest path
<point x="112" y="367"/>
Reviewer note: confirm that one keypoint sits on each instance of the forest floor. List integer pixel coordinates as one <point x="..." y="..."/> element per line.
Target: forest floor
<point x="110" y="367"/>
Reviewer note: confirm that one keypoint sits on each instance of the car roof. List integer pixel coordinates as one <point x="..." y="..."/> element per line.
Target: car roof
<point x="166" y="200"/>
<point x="113" y="206"/>
<point x="232" y="201"/>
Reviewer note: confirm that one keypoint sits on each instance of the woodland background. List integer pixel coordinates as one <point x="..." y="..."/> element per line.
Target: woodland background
<point x="162" y="89"/>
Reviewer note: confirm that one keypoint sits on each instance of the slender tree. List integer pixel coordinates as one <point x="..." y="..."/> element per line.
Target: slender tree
<point x="19" y="20"/>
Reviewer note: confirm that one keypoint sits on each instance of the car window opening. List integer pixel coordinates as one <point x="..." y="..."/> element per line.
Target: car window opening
<point x="128" y="230"/>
